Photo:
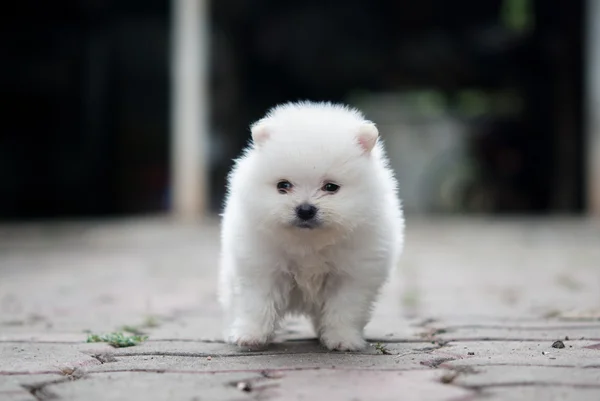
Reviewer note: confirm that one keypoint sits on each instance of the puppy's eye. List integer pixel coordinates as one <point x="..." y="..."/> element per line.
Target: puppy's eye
<point x="284" y="186"/>
<point x="331" y="187"/>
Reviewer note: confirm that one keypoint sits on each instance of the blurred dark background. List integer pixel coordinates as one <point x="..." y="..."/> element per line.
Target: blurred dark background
<point x="480" y="102"/>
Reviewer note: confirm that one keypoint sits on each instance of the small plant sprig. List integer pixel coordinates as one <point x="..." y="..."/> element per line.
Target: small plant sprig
<point x="381" y="348"/>
<point x="117" y="340"/>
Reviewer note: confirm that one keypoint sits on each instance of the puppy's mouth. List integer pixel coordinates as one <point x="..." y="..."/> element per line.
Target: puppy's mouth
<point x="306" y="224"/>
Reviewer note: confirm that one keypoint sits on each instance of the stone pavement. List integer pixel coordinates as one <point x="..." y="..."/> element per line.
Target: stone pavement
<point x="471" y="313"/>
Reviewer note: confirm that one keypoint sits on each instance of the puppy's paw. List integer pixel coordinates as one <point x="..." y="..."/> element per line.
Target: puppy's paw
<point x="252" y="343"/>
<point x="343" y="340"/>
<point x="250" y="339"/>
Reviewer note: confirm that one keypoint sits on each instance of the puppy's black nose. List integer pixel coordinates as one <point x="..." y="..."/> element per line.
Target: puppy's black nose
<point x="306" y="212"/>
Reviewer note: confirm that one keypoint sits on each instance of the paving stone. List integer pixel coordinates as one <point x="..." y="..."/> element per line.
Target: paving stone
<point x="18" y="395"/>
<point x="493" y="376"/>
<point x="42" y="337"/>
<point x="546" y="393"/>
<point x="503" y="323"/>
<point x="259" y="362"/>
<point x="22" y="387"/>
<point x="36" y="357"/>
<point x="292" y="385"/>
<point x="521" y="353"/>
<point x="515" y="334"/>
<point x="400" y="329"/>
<point x="364" y="385"/>
<point x="152" y="386"/>
<point x="11" y="386"/>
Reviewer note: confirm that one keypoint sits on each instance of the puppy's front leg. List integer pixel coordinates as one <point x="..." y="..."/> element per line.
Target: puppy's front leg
<point x="346" y="311"/>
<point x="256" y="311"/>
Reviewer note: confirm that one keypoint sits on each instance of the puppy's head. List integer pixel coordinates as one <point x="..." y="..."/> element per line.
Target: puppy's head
<point x="312" y="167"/>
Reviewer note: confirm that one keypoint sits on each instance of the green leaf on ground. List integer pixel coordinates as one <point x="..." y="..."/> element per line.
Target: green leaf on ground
<point x="382" y="349"/>
<point x="117" y="340"/>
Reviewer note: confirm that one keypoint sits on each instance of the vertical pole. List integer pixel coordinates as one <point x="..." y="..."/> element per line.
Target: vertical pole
<point x="189" y="103"/>
<point x="592" y="102"/>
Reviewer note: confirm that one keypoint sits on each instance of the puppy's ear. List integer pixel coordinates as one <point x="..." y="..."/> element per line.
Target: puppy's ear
<point x="260" y="133"/>
<point x="367" y="137"/>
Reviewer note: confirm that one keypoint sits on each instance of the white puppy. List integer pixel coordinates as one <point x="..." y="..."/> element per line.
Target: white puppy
<point x="312" y="226"/>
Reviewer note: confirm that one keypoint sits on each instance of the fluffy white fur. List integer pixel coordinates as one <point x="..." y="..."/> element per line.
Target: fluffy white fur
<point x="332" y="272"/>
